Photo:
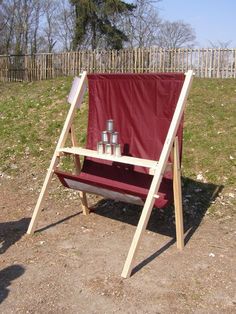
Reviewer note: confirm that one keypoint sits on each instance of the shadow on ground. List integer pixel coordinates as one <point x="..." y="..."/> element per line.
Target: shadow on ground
<point x="58" y="222"/>
<point x="197" y="198"/>
<point x="7" y="275"/>
<point x="11" y="232"/>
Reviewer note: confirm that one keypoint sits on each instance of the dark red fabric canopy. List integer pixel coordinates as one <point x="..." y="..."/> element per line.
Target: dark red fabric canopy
<point x="142" y="107"/>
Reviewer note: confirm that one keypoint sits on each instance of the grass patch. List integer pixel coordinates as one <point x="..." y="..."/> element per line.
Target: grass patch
<point x="210" y="131"/>
<point x="31" y="118"/>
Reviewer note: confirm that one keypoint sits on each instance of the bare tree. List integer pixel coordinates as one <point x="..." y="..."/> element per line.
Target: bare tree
<point x="142" y="25"/>
<point x="20" y="37"/>
<point x="3" y="21"/>
<point x="34" y="30"/>
<point x="7" y="26"/>
<point x="220" y="44"/>
<point x="18" y="25"/>
<point x="24" y="16"/>
<point x="176" y="35"/>
<point x="2" y="27"/>
<point x="49" y="31"/>
<point x="31" y="26"/>
<point x="65" y="25"/>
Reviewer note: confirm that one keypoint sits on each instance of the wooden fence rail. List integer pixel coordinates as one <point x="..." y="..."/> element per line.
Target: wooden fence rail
<point x="210" y="63"/>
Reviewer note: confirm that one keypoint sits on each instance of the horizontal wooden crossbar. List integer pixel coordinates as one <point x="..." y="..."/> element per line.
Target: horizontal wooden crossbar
<point x="151" y="164"/>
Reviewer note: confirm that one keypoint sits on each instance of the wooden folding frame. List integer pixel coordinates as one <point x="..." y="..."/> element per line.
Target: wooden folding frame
<point x="157" y="168"/>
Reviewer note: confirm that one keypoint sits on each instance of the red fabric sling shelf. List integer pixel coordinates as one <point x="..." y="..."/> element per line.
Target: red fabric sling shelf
<point x="142" y="107"/>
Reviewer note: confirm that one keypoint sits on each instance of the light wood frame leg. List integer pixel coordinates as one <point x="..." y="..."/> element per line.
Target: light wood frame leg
<point x="178" y="196"/>
<point x="127" y="269"/>
<point x="55" y="159"/>
<point x="83" y="198"/>
<point x="147" y="209"/>
<point x="169" y="141"/>
<point x="146" y="212"/>
<point x="42" y="195"/>
<point x="82" y="195"/>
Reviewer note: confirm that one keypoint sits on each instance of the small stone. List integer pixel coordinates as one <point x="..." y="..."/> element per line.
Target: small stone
<point x="211" y="255"/>
<point x="200" y="177"/>
<point x="27" y="150"/>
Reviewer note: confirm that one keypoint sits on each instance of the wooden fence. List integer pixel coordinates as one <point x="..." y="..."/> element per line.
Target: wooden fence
<point x="210" y="63"/>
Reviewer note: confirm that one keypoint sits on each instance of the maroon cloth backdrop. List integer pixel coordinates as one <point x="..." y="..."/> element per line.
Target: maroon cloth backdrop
<point x="142" y="107"/>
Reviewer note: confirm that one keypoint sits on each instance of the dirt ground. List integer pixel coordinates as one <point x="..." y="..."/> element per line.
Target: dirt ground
<point x="73" y="262"/>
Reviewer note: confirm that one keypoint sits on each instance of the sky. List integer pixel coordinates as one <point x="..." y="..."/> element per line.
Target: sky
<point x="212" y="20"/>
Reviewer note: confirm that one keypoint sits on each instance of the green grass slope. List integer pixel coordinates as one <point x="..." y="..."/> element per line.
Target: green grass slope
<point x="32" y="114"/>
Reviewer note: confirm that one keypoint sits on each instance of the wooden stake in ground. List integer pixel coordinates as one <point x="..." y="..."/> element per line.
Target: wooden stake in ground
<point x="178" y="196"/>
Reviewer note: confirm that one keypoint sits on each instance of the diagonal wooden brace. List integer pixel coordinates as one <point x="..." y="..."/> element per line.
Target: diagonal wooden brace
<point x="78" y="97"/>
<point x="146" y="212"/>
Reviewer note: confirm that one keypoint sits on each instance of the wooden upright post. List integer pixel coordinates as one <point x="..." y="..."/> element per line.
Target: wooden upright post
<point x="82" y="194"/>
<point x="178" y="196"/>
